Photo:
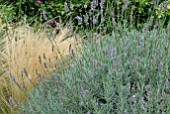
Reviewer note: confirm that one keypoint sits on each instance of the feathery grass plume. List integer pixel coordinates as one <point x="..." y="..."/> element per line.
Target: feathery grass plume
<point x="26" y="53"/>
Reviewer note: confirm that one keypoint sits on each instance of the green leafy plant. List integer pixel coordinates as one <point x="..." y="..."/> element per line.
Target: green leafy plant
<point x="163" y="9"/>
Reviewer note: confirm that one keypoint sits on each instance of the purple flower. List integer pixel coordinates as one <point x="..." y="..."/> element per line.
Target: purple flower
<point x="83" y="91"/>
<point x="161" y="65"/>
<point x="94" y="2"/>
<point x="79" y="19"/>
<point x="127" y="3"/>
<point x="58" y="25"/>
<point x="85" y="6"/>
<point x="142" y="103"/>
<point x="11" y="101"/>
<point x="94" y="21"/>
<point x="71" y="5"/>
<point x="151" y="21"/>
<point x="166" y="5"/>
<point x="39" y="1"/>
<point x="101" y="5"/>
<point x="160" y="9"/>
<point x="66" y="7"/>
<point x="88" y="112"/>
<point x="123" y="8"/>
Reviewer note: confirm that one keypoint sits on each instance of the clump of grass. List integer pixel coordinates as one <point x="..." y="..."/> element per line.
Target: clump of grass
<point x="26" y="58"/>
<point x="125" y="72"/>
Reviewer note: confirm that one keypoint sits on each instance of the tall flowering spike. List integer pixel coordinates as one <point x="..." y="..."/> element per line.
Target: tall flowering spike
<point x="71" y="4"/>
<point x="166" y="5"/>
<point x="11" y="101"/>
<point x="127" y="3"/>
<point x="58" y="25"/>
<point x="79" y="19"/>
<point x="83" y="91"/>
<point x="123" y="8"/>
<point x="94" y="2"/>
<point x="66" y="7"/>
<point x="161" y="65"/>
<point x="142" y="103"/>
<point x="94" y="21"/>
<point x="86" y="19"/>
<point x="160" y="9"/>
<point x="101" y="5"/>
<point x="44" y="15"/>
<point x="151" y="20"/>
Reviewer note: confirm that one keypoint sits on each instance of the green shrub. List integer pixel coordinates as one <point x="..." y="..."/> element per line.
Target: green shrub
<point x="134" y="11"/>
<point x="163" y="9"/>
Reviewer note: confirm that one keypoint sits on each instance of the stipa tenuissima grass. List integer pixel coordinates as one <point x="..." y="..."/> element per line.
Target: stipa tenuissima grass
<point x="29" y="56"/>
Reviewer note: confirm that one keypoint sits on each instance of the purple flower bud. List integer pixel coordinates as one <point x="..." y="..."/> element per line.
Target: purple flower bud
<point x="58" y="25"/>
<point x="85" y="6"/>
<point x="94" y="21"/>
<point x="151" y="21"/>
<point x="11" y="101"/>
<point x="127" y="3"/>
<point x="160" y="9"/>
<point x="161" y="65"/>
<point x="94" y="2"/>
<point x="142" y="103"/>
<point x="123" y="11"/>
<point x="71" y="5"/>
<point x="66" y="7"/>
<point x="166" y="5"/>
<point x="88" y="112"/>
<point x="101" y="5"/>
<point x="79" y="19"/>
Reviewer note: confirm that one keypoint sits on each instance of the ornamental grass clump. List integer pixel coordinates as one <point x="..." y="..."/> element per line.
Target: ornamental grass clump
<point x="26" y="58"/>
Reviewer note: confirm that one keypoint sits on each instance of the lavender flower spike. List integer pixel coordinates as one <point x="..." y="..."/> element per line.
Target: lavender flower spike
<point x="66" y="7"/>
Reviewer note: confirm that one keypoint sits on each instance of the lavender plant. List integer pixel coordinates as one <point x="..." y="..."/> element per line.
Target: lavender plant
<point x="125" y="72"/>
